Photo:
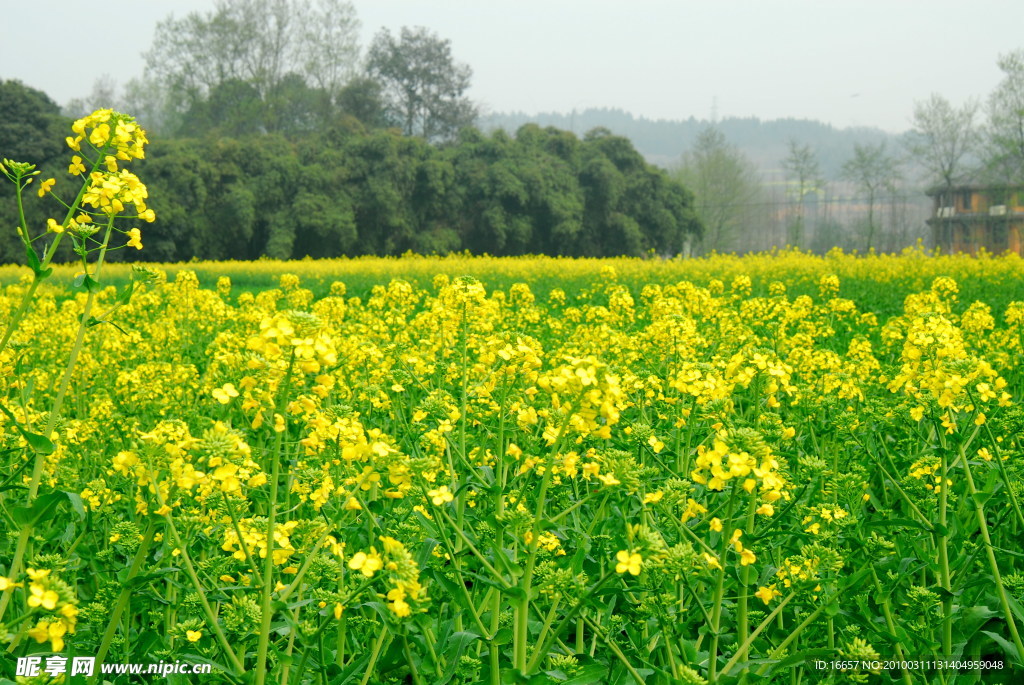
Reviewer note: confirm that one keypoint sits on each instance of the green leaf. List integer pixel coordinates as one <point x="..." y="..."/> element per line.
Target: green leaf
<point x="981" y="497"/>
<point x="96" y="322"/>
<point x="1015" y="607"/>
<point x="125" y="296"/>
<point x="1007" y="646"/>
<point x="457" y="644"/>
<point x="153" y="575"/>
<point x="85" y="282"/>
<point x="38" y="443"/>
<point x="33" y="259"/>
<point x="502" y="637"/>
<point x="42" y="508"/>
<point x="804" y="656"/>
<point x="513" y="676"/>
<point x="897" y="523"/>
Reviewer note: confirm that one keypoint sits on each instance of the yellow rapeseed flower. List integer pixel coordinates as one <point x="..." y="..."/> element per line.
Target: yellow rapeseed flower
<point x="767" y="594"/>
<point x="225" y="393"/>
<point x="440" y="495"/>
<point x="367" y="564"/>
<point x="628" y="561"/>
<point x="134" y="239"/>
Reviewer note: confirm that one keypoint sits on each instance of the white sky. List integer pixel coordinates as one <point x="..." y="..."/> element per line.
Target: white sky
<point x="845" y="62"/>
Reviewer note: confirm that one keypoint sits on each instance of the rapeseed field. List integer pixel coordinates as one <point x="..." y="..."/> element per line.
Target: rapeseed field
<point x="772" y="468"/>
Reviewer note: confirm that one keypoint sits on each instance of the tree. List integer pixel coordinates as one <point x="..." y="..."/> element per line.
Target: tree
<point x="362" y="99"/>
<point x="725" y="185"/>
<point x="1005" y="153"/>
<point x="31" y="130"/>
<point x="102" y="96"/>
<point x="803" y="171"/>
<point x="423" y="85"/>
<point x="263" y="43"/>
<point x="944" y="138"/>
<point x="874" y="172"/>
<point x="328" y="49"/>
<point x="31" y="125"/>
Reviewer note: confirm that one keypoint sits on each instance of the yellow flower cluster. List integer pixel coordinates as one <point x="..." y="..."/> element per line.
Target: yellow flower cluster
<point x="823" y="514"/>
<point x="937" y="367"/>
<point x="254" y="539"/>
<point x="717" y="466"/>
<point x="585" y="399"/>
<point x="795" y="570"/>
<point x="406" y="595"/>
<point x="106" y="129"/>
<point x="56" y="600"/>
<point x="926" y="469"/>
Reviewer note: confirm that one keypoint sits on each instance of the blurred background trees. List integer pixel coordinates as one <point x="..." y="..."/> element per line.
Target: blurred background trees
<point x="274" y="133"/>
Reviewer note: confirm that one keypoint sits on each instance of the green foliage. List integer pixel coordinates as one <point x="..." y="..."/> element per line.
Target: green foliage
<point x="348" y="191"/>
<point x="32" y="130"/>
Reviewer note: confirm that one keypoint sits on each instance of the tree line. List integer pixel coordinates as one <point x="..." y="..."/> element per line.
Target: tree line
<point x="273" y="135"/>
<point x="346" y="189"/>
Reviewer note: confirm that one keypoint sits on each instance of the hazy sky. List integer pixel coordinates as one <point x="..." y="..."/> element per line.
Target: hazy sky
<point x="846" y="62"/>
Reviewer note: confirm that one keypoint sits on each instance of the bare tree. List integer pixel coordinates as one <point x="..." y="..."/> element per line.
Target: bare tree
<point x="726" y="187"/>
<point x="328" y="49"/>
<point x="263" y="43"/>
<point x="802" y="169"/>
<point x="874" y="173"/>
<point x="1005" y="139"/>
<point x="102" y="96"/>
<point x="944" y="138"/>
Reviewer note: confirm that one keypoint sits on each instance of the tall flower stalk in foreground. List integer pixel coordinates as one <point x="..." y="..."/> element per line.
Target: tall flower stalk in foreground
<point x="101" y="143"/>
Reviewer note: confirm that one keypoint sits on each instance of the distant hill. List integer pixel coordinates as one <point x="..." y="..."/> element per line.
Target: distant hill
<point x="663" y="142"/>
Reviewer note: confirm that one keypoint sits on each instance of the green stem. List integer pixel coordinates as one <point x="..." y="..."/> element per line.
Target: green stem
<point x="742" y="622"/>
<point x="944" y="574"/>
<point x="472" y="548"/>
<point x="126" y="590"/>
<point x="51" y="424"/>
<point x="412" y="663"/>
<point x="1002" y="474"/>
<point x="792" y="636"/>
<point x="716" y="603"/>
<point x="979" y="512"/>
<point x="12" y="325"/>
<point x="211" y="617"/>
<point x="241" y="541"/>
<point x="543" y="634"/>
<point x="374" y="654"/>
<point x="745" y="645"/>
<point x="542" y="647"/>
<point x="891" y="624"/>
<point x="495" y="650"/>
<point x="615" y="650"/>
<point x="263" y="642"/>
<point x="461" y="583"/>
